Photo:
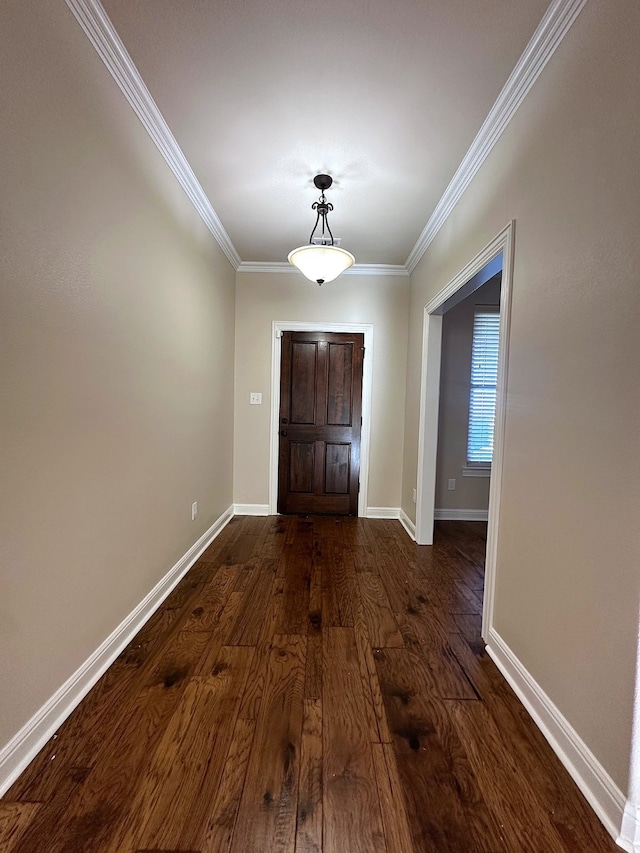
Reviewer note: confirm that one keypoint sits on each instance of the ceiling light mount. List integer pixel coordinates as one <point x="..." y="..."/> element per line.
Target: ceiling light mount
<point x="321" y="260"/>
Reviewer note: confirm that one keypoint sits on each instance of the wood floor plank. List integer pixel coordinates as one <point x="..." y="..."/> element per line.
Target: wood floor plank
<point x="229" y="534"/>
<point x="14" y="820"/>
<point x="40" y="832"/>
<point x="224" y="811"/>
<point x="373" y="702"/>
<point x="76" y="741"/>
<point x="205" y="615"/>
<point x="252" y="608"/>
<point x="315" y="598"/>
<point x="450" y="815"/>
<point x="450" y="677"/>
<point x="352" y="819"/>
<point x="309" y="815"/>
<point x="424" y="632"/>
<point x="182" y="850"/>
<point x="567" y="809"/>
<point x="87" y="819"/>
<point x="336" y="599"/>
<point x="242" y="549"/>
<point x="507" y="793"/>
<point x="267" y="814"/>
<point x="382" y="628"/>
<point x="395" y="820"/>
<point x="294" y="616"/>
<point x="170" y="809"/>
<point x="313" y="678"/>
<point x="219" y="636"/>
<point x="59" y="782"/>
<point x="471" y="599"/>
<point x="252" y="698"/>
<point x="313" y="674"/>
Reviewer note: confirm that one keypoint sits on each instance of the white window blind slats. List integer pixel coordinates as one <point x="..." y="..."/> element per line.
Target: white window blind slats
<point x="484" y="378"/>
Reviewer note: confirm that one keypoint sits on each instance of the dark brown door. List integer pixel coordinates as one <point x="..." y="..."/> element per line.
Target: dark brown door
<point x="320" y="422"/>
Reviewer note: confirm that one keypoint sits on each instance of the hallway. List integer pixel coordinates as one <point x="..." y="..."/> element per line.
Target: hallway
<point x="317" y="685"/>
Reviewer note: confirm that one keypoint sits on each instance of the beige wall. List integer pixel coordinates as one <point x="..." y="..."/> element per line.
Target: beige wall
<point x="264" y="297"/>
<point x="567" y="171"/>
<point x="453" y="411"/>
<point x="116" y="351"/>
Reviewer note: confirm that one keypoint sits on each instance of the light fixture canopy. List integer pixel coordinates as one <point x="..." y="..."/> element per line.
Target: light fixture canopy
<point x="323" y="260"/>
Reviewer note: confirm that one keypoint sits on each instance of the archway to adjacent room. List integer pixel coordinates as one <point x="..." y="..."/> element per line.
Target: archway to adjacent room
<point x="498" y="253"/>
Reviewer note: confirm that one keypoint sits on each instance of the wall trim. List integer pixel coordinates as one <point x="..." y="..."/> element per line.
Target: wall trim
<point x="382" y="512"/>
<point x="553" y="27"/>
<point x="461" y="514"/>
<point x="408" y="525"/>
<point x="25" y="745"/>
<point x="629" y="838"/>
<point x="395" y="513"/>
<point x="102" y="34"/>
<point x="251" y="509"/>
<point x="356" y="269"/>
<point x="277" y="328"/>
<point x="601" y="792"/>
<point x="502" y="244"/>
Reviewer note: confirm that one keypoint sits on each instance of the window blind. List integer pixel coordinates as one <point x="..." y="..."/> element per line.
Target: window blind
<point x="484" y="378"/>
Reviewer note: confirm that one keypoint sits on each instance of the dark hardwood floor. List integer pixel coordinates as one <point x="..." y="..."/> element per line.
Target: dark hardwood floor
<point x="313" y="685"/>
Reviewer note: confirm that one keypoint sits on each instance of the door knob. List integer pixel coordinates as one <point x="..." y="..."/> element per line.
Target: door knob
<point x="284" y="432"/>
<point x="285" y="420"/>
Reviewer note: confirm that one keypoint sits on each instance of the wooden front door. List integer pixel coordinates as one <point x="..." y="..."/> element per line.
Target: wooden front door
<point x="320" y="422"/>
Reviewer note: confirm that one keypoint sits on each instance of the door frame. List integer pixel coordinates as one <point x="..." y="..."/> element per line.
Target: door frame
<point x="430" y="398"/>
<point x="277" y="328"/>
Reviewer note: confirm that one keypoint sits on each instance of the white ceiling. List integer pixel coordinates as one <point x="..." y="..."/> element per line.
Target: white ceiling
<point x="385" y="97"/>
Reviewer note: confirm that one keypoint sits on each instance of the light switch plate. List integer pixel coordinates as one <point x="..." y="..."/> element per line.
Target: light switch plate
<point x="255" y="398"/>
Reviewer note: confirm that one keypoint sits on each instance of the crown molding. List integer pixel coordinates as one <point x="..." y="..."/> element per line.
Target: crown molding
<point x="553" y="27"/>
<point x="101" y="33"/>
<point x="356" y="269"/>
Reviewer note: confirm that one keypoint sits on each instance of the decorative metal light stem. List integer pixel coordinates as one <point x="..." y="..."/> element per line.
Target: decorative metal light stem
<point x="321" y="261"/>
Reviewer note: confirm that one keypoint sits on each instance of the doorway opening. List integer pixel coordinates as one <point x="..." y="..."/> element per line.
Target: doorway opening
<point x="281" y="327"/>
<point x="496" y="257"/>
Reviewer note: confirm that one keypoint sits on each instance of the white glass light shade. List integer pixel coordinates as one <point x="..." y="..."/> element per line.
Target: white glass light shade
<point x="321" y="263"/>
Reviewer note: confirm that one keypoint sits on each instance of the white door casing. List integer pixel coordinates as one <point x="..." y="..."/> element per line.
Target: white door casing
<point x="454" y="291"/>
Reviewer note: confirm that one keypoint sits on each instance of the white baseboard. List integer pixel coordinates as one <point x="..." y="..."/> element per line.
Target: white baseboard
<point x="408" y="525"/>
<point x="395" y="513"/>
<point x="25" y="745"/>
<point x="382" y="512"/>
<point x="461" y="514"/>
<point x="603" y="795"/>
<point x="251" y="509"/>
<point x="629" y="838"/>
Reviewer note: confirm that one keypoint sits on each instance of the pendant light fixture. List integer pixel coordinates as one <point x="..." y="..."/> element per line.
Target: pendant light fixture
<point x="321" y="260"/>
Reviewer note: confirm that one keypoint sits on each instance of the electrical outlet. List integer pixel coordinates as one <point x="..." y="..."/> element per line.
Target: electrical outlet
<point x="414" y="496"/>
<point x="194" y="510"/>
<point x="255" y="398"/>
<point x="452" y="485"/>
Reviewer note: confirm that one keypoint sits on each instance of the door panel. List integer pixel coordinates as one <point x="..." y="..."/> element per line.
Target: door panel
<point x="320" y="422"/>
<point x="336" y="468"/>
<point x="339" y="384"/>
<point x="301" y="466"/>
<point x="304" y="367"/>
